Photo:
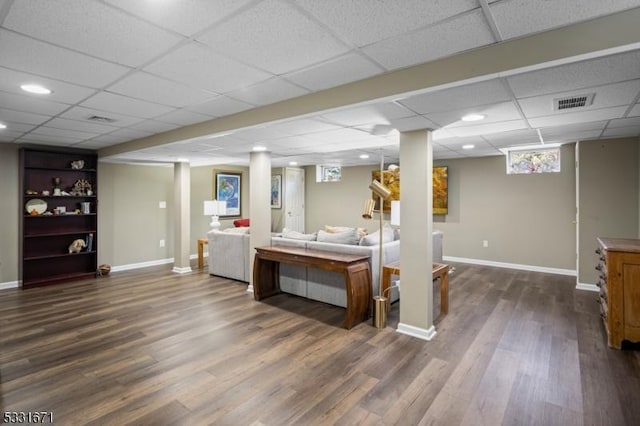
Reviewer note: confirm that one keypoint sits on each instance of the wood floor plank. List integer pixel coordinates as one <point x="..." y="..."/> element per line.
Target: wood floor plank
<point x="152" y="347"/>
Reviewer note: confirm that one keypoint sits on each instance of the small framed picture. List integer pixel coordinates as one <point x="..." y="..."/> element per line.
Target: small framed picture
<point x="276" y="191"/>
<point x="227" y="187"/>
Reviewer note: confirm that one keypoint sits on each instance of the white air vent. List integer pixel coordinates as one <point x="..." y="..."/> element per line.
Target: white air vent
<point x="573" y="102"/>
<point x="101" y="119"/>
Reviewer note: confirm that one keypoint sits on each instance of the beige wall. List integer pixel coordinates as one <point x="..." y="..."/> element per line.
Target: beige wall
<point x="527" y="219"/>
<point x="9" y="230"/>
<point x="609" y="192"/>
<point x="338" y="203"/>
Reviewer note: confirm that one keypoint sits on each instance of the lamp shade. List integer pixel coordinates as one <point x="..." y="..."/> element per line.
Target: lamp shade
<point x="395" y="213"/>
<point x="215" y="208"/>
<point x="380" y="190"/>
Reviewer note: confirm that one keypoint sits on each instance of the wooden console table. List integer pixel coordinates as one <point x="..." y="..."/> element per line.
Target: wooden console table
<point x="357" y="275"/>
<point x="440" y="270"/>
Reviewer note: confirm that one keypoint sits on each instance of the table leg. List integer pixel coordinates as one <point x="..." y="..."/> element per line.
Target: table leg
<point x="444" y="293"/>
<point x="200" y="254"/>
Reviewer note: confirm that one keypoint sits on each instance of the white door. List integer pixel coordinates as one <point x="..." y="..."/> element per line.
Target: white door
<point x="294" y="199"/>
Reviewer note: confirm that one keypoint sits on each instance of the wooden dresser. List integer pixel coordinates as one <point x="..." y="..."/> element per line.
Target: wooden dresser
<point x="619" y="284"/>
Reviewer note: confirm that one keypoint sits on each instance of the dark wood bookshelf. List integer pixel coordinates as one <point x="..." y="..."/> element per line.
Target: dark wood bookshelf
<point x="47" y="234"/>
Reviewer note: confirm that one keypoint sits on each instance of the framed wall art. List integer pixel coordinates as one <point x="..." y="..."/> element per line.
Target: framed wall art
<point x="227" y="187"/>
<point x="276" y="191"/>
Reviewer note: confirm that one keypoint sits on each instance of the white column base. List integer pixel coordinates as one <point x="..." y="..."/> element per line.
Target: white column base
<point x="179" y="270"/>
<point x="250" y="288"/>
<point x="420" y="333"/>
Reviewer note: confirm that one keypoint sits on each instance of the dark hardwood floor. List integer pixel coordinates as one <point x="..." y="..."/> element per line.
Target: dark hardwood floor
<point x="152" y="347"/>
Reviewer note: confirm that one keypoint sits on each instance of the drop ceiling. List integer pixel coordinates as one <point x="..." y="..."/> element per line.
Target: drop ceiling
<point x="148" y="67"/>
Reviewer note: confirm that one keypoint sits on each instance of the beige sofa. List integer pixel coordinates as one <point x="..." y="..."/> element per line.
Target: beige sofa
<point x="229" y="257"/>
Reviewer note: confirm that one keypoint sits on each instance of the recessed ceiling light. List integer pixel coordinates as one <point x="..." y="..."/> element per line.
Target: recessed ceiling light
<point x="474" y="117"/>
<point x="468" y="146"/>
<point x="364" y="156"/>
<point x="35" y="88"/>
<point x="3" y="126"/>
<point x="259" y="148"/>
<point x="293" y="163"/>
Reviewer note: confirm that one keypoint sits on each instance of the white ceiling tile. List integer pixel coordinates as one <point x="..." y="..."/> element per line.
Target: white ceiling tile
<point x="121" y="104"/>
<point x="90" y="27"/>
<point x="198" y="66"/>
<point x="31" y="103"/>
<point x="183" y="117"/>
<point x="354" y="20"/>
<point x="578" y="117"/>
<point x="624" y="122"/>
<point x="259" y="134"/>
<point x="467" y="96"/>
<point x="453" y="36"/>
<point x="186" y="16"/>
<point x="220" y="106"/>
<point x="381" y="113"/>
<point x="9" y="136"/>
<point x="620" y="132"/>
<point x="523" y="137"/>
<point x="7" y="115"/>
<point x="342" y="70"/>
<point x="483" y="129"/>
<point x="267" y="92"/>
<point x="274" y="36"/>
<point x="82" y="114"/>
<point x="605" y="97"/>
<point x="553" y="131"/>
<point x="336" y="136"/>
<point x="10" y="81"/>
<point x="519" y="17"/>
<point x="13" y="126"/>
<point x="64" y="133"/>
<point x="150" y="88"/>
<point x="635" y="111"/>
<point x="504" y="111"/>
<point x="35" y="57"/>
<point x="84" y="125"/>
<point x="574" y="136"/>
<point x="154" y="126"/>
<point x="578" y="75"/>
<point x="49" y="138"/>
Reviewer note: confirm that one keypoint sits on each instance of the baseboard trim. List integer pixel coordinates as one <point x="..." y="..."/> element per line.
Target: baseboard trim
<point x="587" y="287"/>
<point x="130" y="266"/>
<point x="557" y="271"/>
<point x="179" y="270"/>
<point x="420" y="333"/>
<point x="250" y="289"/>
<point x="9" y="284"/>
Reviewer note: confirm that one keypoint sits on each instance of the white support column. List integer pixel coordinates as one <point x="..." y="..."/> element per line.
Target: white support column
<point x="182" y="217"/>
<point x="260" y="202"/>
<point x="416" y="245"/>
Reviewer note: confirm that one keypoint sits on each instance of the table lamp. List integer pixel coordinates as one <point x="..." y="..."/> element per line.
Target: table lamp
<point x="214" y="209"/>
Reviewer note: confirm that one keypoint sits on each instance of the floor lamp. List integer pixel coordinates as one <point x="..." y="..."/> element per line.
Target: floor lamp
<point x="383" y="193"/>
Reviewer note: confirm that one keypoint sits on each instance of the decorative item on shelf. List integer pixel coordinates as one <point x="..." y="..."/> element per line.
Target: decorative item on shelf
<point x="36" y="206"/>
<point x="78" y="164"/>
<point x="379" y="301"/>
<point x="215" y="208"/>
<point x="61" y="210"/>
<point x="56" y="186"/>
<point x="81" y="187"/>
<point x="45" y="193"/>
<point x="103" y="269"/>
<point x="31" y="192"/>
<point x="77" y="245"/>
<point x="89" y="243"/>
<point x="86" y="207"/>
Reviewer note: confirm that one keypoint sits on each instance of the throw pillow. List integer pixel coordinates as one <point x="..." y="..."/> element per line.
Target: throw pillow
<point x="373" y="239"/>
<point x="347" y="237"/>
<point x="334" y="229"/>
<point x="241" y="222"/>
<point x="295" y="235"/>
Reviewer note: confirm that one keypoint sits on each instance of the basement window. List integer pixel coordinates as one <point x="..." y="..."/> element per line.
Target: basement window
<point x="328" y="173"/>
<point x="539" y="160"/>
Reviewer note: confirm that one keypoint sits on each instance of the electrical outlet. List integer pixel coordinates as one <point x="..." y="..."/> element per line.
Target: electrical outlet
<point x="485" y="243"/>
<point x="161" y="243"/>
